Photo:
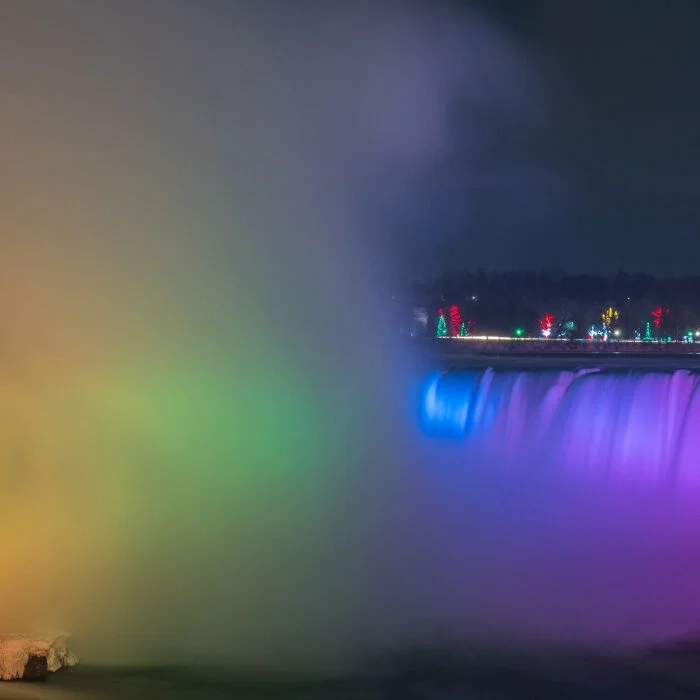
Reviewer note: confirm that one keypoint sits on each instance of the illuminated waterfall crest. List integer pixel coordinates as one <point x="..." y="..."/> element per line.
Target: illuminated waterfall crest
<point x="633" y="425"/>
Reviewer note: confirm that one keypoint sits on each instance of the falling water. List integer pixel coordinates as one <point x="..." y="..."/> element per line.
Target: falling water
<point x="562" y="503"/>
<point x="635" y="426"/>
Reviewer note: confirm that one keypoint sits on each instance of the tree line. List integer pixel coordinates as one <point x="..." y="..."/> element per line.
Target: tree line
<point x="499" y="303"/>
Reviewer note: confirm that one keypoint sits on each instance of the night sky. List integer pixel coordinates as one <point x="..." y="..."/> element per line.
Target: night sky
<point x="597" y="167"/>
<point x="494" y="133"/>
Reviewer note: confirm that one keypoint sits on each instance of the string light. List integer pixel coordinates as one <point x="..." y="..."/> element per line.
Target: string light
<point x="595" y="332"/>
<point x="659" y="316"/>
<point x="546" y="325"/>
<point x="441" y="326"/>
<point x="609" y="317"/>
<point x="455" y="320"/>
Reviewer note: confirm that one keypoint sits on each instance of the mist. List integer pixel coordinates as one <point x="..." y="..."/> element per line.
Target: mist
<point x="207" y="450"/>
<point x="195" y="455"/>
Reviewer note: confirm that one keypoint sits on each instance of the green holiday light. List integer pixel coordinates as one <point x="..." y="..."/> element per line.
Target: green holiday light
<point x="442" y="326"/>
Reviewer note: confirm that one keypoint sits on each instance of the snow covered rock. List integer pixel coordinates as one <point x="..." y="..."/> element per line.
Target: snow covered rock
<point x="26" y="656"/>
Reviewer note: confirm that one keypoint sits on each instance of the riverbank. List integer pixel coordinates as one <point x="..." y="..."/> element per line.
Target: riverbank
<point x="475" y="674"/>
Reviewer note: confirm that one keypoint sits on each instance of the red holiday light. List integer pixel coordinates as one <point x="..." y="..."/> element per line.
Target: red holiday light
<point x="455" y="320"/>
<point x="546" y="325"/>
<point x="658" y="315"/>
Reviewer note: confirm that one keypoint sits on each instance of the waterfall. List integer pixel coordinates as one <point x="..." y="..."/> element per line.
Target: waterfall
<point x="624" y="425"/>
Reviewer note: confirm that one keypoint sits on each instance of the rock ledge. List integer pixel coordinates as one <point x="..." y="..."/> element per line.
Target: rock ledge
<point x="24" y="656"/>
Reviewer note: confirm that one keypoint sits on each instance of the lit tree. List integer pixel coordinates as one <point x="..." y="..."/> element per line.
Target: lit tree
<point x="463" y="330"/>
<point x="596" y="332"/>
<point x="546" y="323"/>
<point x="567" y="330"/>
<point x="659" y="316"/>
<point x="441" y="326"/>
<point x="564" y="326"/>
<point x="609" y="317"/>
<point x="455" y="320"/>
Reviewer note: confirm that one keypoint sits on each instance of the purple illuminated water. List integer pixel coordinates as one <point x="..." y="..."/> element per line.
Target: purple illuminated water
<point x="561" y="504"/>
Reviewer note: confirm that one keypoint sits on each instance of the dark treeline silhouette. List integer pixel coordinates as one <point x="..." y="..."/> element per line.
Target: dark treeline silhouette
<point x="499" y="302"/>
